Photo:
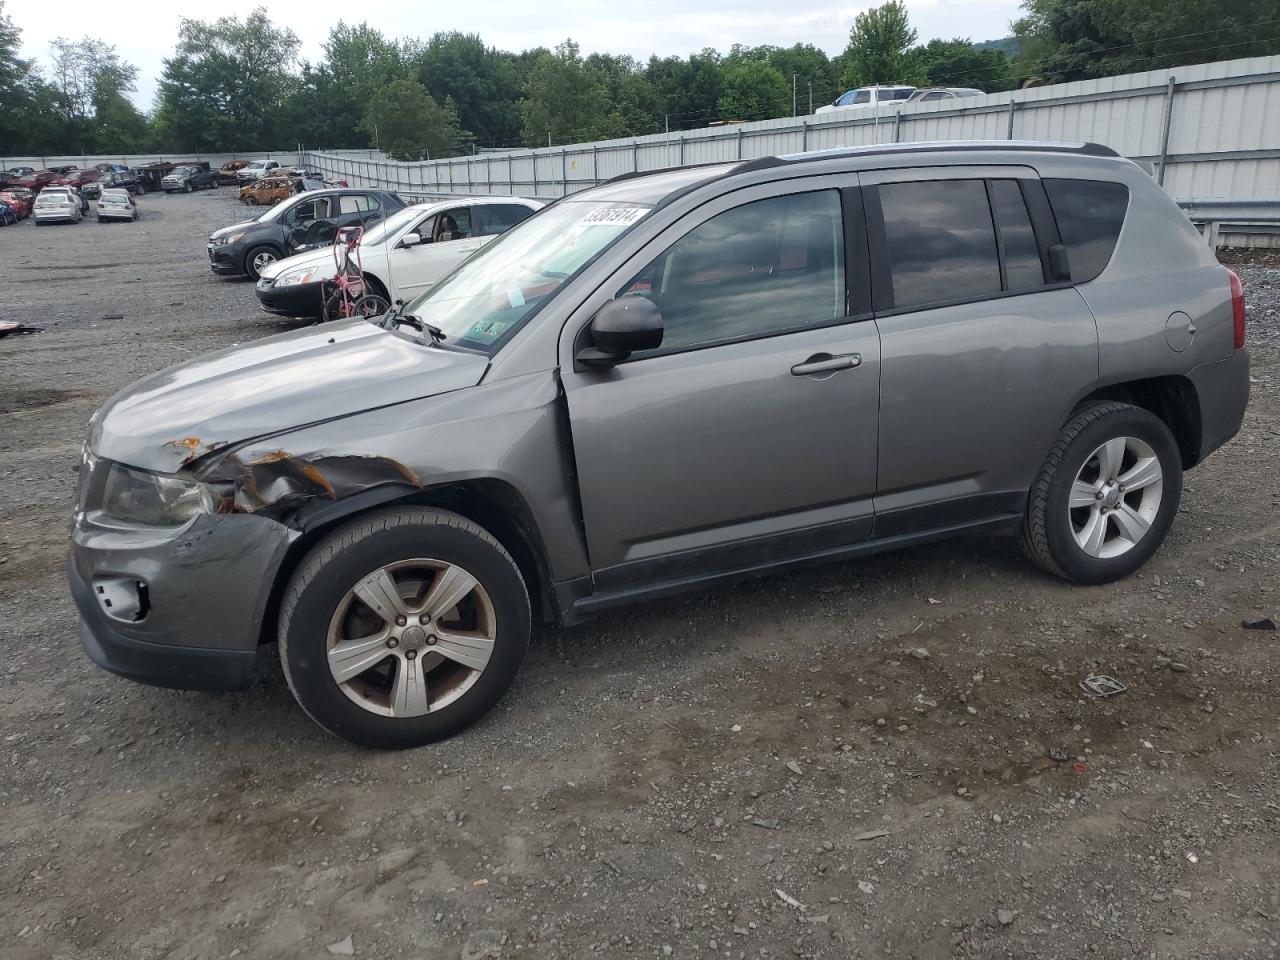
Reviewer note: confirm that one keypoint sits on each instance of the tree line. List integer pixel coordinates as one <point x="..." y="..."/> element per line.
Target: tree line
<point x="240" y="84"/>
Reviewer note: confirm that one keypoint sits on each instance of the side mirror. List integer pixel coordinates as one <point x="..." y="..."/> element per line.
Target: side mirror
<point x="1059" y="268"/>
<point x="413" y="239"/>
<point x="619" y="329"/>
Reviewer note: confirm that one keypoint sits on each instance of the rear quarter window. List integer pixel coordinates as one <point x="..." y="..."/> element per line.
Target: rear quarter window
<point x="1090" y="214"/>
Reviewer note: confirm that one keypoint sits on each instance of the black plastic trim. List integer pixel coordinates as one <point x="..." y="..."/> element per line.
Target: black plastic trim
<point x="588" y="606"/>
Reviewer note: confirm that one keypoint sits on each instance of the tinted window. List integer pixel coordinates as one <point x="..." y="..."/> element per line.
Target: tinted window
<point x="1090" y="214"/>
<point x="495" y="218"/>
<point x="763" y="268"/>
<point x="899" y="94"/>
<point x="941" y="243"/>
<point x="1022" y="267"/>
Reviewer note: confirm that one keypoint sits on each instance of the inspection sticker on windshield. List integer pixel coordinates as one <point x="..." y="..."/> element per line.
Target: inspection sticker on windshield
<point x="617" y="216"/>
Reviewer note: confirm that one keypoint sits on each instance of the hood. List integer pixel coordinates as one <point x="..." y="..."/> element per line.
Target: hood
<point x="234" y="228"/>
<point x="271" y="386"/>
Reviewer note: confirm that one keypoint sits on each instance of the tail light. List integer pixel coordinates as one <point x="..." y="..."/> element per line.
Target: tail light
<point x="1237" y="308"/>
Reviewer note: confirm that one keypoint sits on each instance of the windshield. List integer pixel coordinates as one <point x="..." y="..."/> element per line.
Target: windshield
<point x="380" y="232"/>
<point x="493" y="292"/>
<point x="181" y="171"/>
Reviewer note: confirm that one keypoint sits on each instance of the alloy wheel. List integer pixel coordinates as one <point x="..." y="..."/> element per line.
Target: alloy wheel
<point x="411" y="637"/>
<point x="263" y="260"/>
<point x="1115" y="497"/>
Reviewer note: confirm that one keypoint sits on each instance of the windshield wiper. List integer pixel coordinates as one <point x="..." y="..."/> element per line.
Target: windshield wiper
<point x="394" y="318"/>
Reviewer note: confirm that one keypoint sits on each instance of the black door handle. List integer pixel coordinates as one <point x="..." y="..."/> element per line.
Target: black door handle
<point x="826" y="363"/>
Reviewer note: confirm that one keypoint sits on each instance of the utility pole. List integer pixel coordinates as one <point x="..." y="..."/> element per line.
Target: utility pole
<point x="666" y="122"/>
<point x="811" y="96"/>
<point x="548" y="138"/>
<point x="793" y="94"/>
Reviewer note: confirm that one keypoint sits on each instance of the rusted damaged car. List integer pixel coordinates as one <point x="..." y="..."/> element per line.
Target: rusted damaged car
<point x="667" y="380"/>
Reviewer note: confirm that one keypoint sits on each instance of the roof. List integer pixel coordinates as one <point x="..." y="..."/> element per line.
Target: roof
<point x="665" y="185"/>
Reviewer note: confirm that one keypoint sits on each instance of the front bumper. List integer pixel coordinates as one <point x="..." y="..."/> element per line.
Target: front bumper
<point x="298" y="300"/>
<point x="206" y="587"/>
<point x="227" y="260"/>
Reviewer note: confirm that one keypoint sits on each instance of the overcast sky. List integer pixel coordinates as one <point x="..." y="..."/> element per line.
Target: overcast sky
<point x="146" y="36"/>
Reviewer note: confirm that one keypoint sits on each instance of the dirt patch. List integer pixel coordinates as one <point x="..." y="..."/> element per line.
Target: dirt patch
<point x="15" y="401"/>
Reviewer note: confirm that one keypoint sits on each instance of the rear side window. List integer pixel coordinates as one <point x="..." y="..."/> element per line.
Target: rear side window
<point x="1022" y="267"/>
<point x="495" y="218"/>
<point x="1090" y="214"/>
<point x="941" y="242"/>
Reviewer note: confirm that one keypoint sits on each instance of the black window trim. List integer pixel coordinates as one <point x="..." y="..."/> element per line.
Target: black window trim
<point x="1043" y="226"/>
<point x="855" y="234"/>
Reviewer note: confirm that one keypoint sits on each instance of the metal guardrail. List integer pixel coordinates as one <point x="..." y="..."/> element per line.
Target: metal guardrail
<point x="1256" y="216"/>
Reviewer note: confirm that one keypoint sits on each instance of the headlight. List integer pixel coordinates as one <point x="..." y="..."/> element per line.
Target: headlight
<point x="223" y="241"/>
<point x="297" y="276"/>
<point x="137" y="497"/>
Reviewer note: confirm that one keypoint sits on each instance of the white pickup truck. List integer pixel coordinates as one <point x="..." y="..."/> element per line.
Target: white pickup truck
<point x="863" y="98"/>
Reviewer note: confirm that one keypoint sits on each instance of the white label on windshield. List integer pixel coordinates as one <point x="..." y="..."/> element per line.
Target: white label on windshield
<point x="619" y="216"/>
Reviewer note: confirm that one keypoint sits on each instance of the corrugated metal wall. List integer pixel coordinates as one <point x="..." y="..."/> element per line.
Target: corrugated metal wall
<point x="1223" y="136"/>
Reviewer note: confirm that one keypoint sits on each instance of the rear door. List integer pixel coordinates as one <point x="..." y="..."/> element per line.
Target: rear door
<point x="983" y="354"/>
<point x="749" y="436"/>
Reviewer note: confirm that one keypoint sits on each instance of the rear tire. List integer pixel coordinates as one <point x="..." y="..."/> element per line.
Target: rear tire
<point x="322" y="606"/>
<point x="1106" y="496"/>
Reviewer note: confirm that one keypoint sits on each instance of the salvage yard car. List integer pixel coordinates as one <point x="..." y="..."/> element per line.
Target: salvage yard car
<point x="19" y="199"/>
<point x="189" y="178"/>
<point x="268" y="190"/>
<point x="669" y="380"/>
<point x="245" y="249"/>
<point x="401" y="257"/>
<point x="57" y="205"/>
<point x="227" y="172"/>
<point x="116" y="205"/>
<point x="256" y="169"/>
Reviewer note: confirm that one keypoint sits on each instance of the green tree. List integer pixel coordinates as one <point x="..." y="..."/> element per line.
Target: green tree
<point x="631" y="94"/>
<point x="1079" y="39"/>
<point x="226" y="86"/>
<point x="485" y="84"/>
<point x="687" y="90"/>
<point x="91" y="84"/>
<point x="410" y="125"/>
<point x="28" y="118"/>
<point x="957" y="63"/>
<point x="753" y="90"/>
<point x="566" y="103"/>
<point x="879" y="49"/>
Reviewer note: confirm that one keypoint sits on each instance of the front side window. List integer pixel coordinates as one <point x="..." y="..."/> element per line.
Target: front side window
<point x="453" y="224"/>
<point x="903" y="94"/>
<point x="763" y="268"/>
<point x="1090" y="214"/>
<point x="941" y="241"/>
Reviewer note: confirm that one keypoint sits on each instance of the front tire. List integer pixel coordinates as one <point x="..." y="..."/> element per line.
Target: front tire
<point x="403" y="627"/>
<point x="257" y="260"/>
<point x="1106" y="496"/>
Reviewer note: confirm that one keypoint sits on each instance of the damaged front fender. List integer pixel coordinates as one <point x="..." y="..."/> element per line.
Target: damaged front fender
<point x="279" y="483"/>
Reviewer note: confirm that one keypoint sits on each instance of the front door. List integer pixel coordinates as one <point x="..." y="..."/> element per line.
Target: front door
<point x="749" y="436"/>
<point x="446" y="241"/>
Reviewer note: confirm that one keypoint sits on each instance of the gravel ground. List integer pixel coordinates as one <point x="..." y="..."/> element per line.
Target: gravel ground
<point x="885" y="758"/>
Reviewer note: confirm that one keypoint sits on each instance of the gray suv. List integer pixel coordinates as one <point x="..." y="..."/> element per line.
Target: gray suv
<point x="674" y="379"/>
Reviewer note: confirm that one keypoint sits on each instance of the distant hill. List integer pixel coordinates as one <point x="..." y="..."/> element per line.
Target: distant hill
<point x="1009" y="45"/>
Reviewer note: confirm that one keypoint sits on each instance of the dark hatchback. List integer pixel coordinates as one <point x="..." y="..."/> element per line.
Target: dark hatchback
<point x="304" y="220"/>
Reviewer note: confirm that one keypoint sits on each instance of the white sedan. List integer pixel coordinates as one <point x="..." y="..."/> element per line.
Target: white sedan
<point x="56" y="205"/>
<point x="401" y="256"/>
<point x="116" y="205"/>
